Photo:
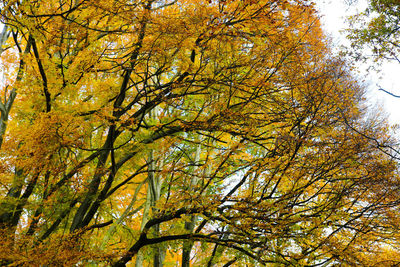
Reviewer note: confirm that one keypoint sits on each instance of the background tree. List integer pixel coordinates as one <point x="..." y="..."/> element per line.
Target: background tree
<point x="210" y="131"/>
<point x="375" y="32"/>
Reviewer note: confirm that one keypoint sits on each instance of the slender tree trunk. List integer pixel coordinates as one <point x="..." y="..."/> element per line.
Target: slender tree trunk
<point x="3" y="37"/>
<point x="159" y="251"/>
<point x="153" y="194"/>
<point x="189" y="226"/>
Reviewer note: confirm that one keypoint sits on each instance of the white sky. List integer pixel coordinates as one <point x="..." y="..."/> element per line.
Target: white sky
<point x="333" y="18"/>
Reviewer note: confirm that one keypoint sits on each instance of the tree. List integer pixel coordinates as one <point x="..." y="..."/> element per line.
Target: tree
<point x="377" y="31"/>
<point x="377" y="28"/>
<point x="150" y="130"/>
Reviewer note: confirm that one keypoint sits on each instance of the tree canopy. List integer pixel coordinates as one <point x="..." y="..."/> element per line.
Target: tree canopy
<point x="374" y="34"/>
<point x="187" y="132"/>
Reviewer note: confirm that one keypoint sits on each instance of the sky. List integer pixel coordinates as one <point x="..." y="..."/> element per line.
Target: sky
<point x="334" y="13"/>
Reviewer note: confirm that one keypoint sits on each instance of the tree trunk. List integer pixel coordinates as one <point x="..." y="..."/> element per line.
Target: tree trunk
<point x="189" y="226"/>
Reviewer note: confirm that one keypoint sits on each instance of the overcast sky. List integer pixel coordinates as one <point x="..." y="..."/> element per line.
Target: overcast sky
<point x="333" y="14"/>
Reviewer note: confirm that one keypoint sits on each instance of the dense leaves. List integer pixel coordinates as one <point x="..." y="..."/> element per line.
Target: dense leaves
<point x="200" y="132"/>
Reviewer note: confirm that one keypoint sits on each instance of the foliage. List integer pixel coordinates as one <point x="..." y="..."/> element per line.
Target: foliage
<point x="377" y="28"/>
<point x="208" y="132"/>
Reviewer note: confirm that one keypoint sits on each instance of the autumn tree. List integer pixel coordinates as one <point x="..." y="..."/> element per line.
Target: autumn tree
<point x="199" y="132"/>
<point x="376" y="30"/>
